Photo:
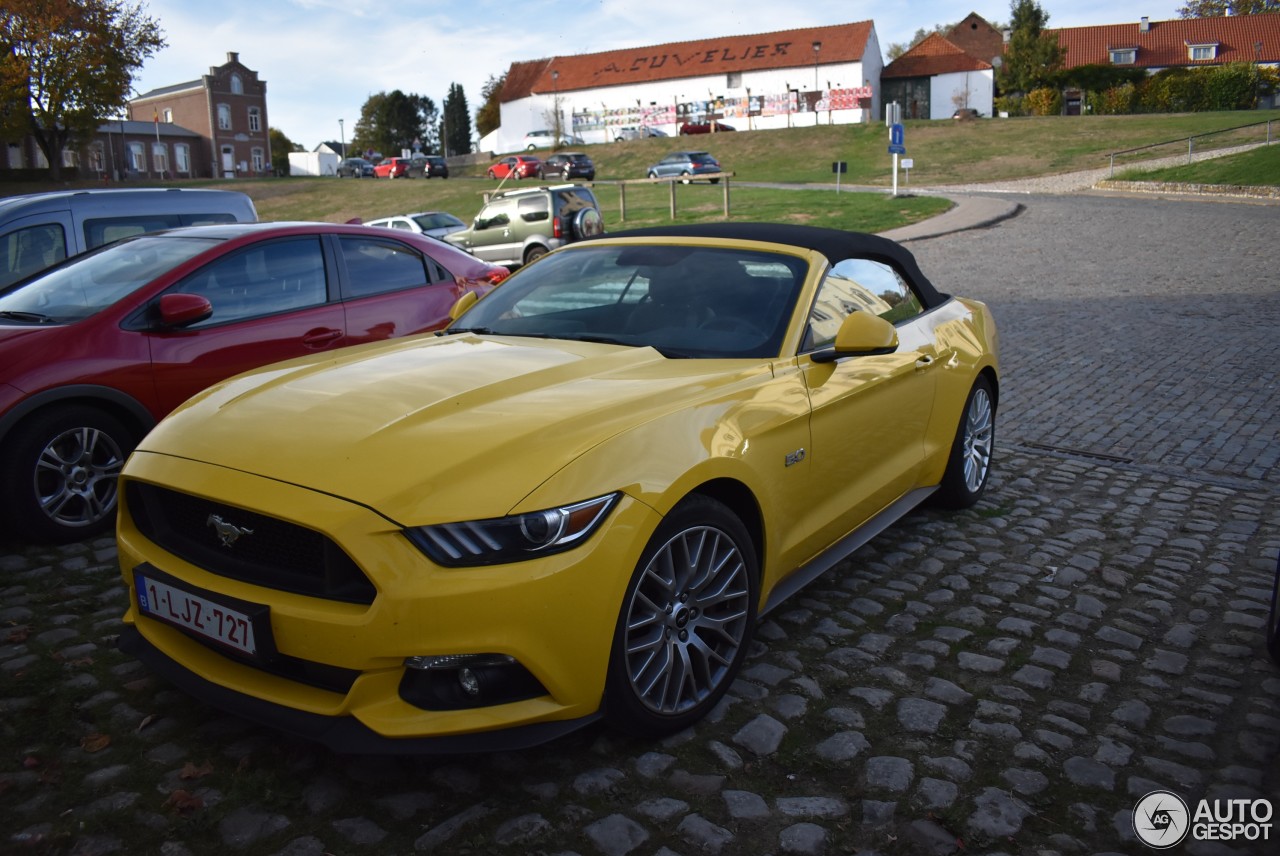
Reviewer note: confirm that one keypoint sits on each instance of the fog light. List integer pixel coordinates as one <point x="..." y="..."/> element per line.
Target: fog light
<point x="469" y="682"/>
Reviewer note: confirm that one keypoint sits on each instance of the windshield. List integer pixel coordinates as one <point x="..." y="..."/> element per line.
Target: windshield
<point x="437" y="220"/>
<point x="92" y="282"/>
<point x="685" y="301"/>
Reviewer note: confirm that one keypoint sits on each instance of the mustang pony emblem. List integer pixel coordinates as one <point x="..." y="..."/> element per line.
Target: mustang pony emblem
<point x="228" y="533"/>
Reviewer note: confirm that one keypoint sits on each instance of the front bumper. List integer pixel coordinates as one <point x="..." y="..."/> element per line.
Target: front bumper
<point x="554" y="615"/>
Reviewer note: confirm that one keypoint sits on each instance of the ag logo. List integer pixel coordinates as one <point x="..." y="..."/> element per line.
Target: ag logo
<point x="1161" y="820"/>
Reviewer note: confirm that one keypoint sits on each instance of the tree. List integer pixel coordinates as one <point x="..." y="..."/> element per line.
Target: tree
<point x="280" y="148"/>
<point x="456" y="132"/>
<point x="1033" y="57"/>
<point x="392" y="121"/>
<point x="69" y="64"/>
<point x="489" y="116"/>
<point x="1219" y="8"/>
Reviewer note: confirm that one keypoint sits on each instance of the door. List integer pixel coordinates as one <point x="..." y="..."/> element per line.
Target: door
<point x="869" y="414"/>
<point x="492" y="236"/>
<point x="390" y="289"/>
<point x="270" y="302"/>
<point x="228" y="162"/>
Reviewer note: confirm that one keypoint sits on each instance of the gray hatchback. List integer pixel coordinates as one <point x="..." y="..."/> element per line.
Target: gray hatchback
<point x="686" y="165"/>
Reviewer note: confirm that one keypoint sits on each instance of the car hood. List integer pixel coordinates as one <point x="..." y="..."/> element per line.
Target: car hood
<point x="432" y="429"/>
<point x="23" y="345"/>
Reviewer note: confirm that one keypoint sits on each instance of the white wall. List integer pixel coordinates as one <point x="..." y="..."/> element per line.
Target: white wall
<point x="654" y="103"/>
<point x="312" y="163"/>
<point x="950" y="92"/>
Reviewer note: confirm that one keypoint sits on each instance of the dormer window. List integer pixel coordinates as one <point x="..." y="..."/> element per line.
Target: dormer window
<point x="1124" y="56"/>
<point x="1202" y="53"/>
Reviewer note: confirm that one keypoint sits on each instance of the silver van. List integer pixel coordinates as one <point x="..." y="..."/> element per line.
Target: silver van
<point x="39" y="229"/>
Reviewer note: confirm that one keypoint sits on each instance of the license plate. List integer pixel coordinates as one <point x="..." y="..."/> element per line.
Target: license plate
<point x="209" y="619"/>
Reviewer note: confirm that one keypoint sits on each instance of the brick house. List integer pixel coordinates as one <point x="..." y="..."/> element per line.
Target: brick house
<point x="227" y="110"/>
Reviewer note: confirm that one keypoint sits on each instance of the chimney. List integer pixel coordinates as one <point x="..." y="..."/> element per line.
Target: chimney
<point x="232" y="56"/>
<point x="1144" y="24"/>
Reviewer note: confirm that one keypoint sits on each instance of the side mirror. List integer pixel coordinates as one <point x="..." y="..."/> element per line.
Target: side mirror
<point x="860" y="335"/>
<point x="178" y="309"/>
<point x="463" y="303"/>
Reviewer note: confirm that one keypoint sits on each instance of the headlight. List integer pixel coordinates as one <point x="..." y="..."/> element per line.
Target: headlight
<point x="511" y="539"/>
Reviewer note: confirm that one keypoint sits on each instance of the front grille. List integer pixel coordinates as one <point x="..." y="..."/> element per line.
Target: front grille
<point x="269" y="552"/>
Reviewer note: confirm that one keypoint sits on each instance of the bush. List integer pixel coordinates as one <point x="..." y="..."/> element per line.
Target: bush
<point x="1116" y="101"/>
<point x="1011" y="104"/>
<point x="1043" y="102"/>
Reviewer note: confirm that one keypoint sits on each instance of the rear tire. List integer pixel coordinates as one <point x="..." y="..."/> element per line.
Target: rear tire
<point x="534" y="253"/>
<point x="972" y="451"/>
<point x="61" y="469"/>
<point x="684" y="178"/>
<point x="686" y="620"/>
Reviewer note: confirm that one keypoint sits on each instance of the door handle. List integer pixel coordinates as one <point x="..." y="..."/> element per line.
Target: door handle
<point x="924" y="362"/>
<point x="320" y="337"/>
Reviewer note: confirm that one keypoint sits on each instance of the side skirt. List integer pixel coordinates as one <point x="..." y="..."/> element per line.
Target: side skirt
<point x="824" y="561"/>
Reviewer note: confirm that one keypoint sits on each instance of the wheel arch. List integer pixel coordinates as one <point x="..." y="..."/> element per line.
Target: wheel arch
<point x="124" y="407"/>
<point x="739" y="499"/>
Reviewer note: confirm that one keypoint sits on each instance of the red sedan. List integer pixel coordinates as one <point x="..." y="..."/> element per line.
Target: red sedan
<point x="517" y="167"/>
<point x="94" y="351"/>
<point x="391" y="168"/>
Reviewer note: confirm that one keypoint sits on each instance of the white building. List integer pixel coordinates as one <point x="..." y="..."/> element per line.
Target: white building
<point x="935" y="78"/>
<point x="769" y="80"/>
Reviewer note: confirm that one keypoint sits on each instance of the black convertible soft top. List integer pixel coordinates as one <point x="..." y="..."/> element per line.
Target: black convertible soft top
<point x="835" y="244"/>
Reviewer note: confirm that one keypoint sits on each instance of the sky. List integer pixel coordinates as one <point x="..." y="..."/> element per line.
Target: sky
<point x="322" y="59"/>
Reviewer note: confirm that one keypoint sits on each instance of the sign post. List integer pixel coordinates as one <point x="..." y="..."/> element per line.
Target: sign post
<point x="839" y="167"/>
<point x="897" y="147"/>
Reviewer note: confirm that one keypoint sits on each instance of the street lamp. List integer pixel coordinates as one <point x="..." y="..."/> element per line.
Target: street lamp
<point x="343" y="137"/>
<point x="555" y="101"/>
<point x="817" y="46"/>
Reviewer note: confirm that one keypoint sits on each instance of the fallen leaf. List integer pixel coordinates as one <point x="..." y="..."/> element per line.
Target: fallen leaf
<point x="95" y="742"/>
<point x="184" y="802"/>
<point x="18" y="634"/>
<point x="147" y="720"/>
<point x="191" y="771"/>
<point x="31" y="762"/>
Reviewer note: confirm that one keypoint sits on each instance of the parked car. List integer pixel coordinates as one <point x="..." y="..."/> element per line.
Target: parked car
<point x="517" y="226"/>
<point x="618" y="460"/>
<point x="516" y="166"/>
<point x="97" y="349"/>
<point x="428" y="166"/>
<point x="391" y="168"/>
<point x="632" y="132"/>
<point x="436" y="224"/>
<point x="966" y="113"/>
<point x="354" y="168"/>
<point x="687" y="165"/>
<point x="567" y="165"/>
<point x="40" y="229"/>
<point x="545" y="140"/>
<point x="711" y="127"/>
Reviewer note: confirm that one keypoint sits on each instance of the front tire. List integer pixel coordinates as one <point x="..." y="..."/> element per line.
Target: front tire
<point x="686" y="620"/>
<point x="969" y="465"/>
<point x="62" y="470"/>
<point x="684" y="178"/>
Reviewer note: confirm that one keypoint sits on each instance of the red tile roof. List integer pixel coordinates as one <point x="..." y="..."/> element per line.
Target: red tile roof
<point x="1165" y="43"/>
<point x="932" y="55"/>
<point x="843" y="43"/>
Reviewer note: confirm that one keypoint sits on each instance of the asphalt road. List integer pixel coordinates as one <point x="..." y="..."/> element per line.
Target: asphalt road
<point x="1011" y="679"/>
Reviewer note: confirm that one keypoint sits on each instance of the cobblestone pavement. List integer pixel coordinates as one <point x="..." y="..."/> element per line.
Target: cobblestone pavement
<point x="1009" y="679"/>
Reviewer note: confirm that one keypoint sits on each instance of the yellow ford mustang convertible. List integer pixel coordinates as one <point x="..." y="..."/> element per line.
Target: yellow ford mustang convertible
<point x="573" y="503"/>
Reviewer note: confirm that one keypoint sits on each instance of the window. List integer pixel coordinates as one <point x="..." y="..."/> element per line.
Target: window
<point x="137" y="157"/>
<point x="256" y="157"/>
<point x="1124" y="56"/>
<point x="70" y="158"/>
<point x="15" y="156"/>
<point x="28" y="250"/>
<point x="167" y="116"/>
<point x="97" y="158"/>
<point x="859" y="285"/>
<point x="1202" y="53"/>
<point x="279" y="276"/>
<point x="182" y="157"/>
<point x="255" y="119"/>
<point x="159" y="158"/>
<point x="237" y="85"/>
<point x="377" y="267"/>
<point x="224" y="117"/>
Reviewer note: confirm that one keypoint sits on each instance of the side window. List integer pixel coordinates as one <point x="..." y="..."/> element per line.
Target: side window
<point x="497" y="214"/>
<point x="28" y="250"/>
<point x="377" y="267"/>
<point x="104" y="230"/>
<point x="533" y="209"/>
<point x="279" y="276"/>
<point x="858" y="285"/>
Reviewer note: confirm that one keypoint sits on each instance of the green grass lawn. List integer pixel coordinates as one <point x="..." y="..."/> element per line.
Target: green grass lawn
<point x="1256" y="168"/>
